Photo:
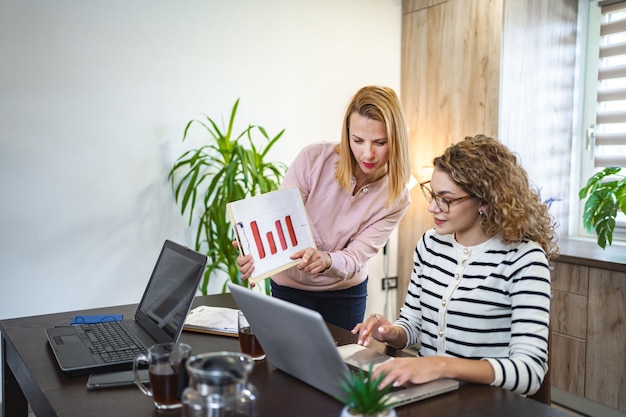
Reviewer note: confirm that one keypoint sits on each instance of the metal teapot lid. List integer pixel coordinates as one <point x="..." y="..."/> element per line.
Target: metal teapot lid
<point x="220" y="368"/>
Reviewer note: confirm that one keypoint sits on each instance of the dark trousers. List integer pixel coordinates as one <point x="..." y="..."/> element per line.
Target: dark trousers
<point x="344" y="308"/>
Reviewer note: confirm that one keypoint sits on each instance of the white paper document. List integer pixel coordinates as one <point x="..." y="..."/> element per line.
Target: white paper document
<point x="208" y="319"/>
<point x="271" y="227"/>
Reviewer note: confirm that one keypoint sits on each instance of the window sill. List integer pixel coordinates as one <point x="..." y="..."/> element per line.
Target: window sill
<point x="586" y="252"/>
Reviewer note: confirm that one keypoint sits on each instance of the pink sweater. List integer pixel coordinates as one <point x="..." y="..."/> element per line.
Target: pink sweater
<point x="351" y="228"/>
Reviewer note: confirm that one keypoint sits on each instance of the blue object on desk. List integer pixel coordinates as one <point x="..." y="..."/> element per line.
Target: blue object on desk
<point x="96" y="319"/>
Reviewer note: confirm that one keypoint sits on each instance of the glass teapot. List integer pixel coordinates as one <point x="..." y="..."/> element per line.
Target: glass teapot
<point x="218" y="386"/>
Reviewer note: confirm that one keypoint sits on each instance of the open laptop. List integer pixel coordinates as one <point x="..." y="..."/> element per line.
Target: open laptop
<point x="159" y="317"/>
<point x="298" y="342"/>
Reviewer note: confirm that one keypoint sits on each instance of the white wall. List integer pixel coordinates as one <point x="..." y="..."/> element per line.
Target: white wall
<point x="93" y="100"/>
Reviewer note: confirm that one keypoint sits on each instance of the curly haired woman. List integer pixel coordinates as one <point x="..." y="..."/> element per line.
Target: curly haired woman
<point x="478" y="304"/>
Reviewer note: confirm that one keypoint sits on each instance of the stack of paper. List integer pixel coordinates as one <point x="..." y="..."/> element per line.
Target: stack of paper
<point x="215" y="320"/>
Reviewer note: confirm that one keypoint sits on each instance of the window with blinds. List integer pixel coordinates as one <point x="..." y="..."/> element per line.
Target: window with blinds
<point x="609" y="144"/>
<point x="604" y="102"/>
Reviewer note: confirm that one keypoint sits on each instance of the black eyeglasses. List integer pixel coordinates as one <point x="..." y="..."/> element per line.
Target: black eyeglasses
<point x="442" y="203"/>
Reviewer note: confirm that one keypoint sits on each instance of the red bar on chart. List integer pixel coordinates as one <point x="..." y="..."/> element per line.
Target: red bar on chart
<point x="292" y="233"/>
<point x="270" y="240"/>
<point x="257" y="239"/>
<point x="281" y="235"/>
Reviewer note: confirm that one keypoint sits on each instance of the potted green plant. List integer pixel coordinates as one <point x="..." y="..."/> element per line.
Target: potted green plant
<point x="606" y="197"/>
<point x="204" y="180"/>
<point x="363" y="398"/>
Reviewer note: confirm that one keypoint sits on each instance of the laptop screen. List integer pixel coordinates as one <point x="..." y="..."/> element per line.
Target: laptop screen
<point x="167" y="298"/>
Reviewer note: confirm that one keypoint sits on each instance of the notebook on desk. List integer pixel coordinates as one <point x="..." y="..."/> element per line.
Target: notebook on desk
<point x="298" y="342"/>
<point x="159" y="318"/>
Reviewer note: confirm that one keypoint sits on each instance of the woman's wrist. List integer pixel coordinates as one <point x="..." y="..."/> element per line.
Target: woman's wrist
<point x="330" y="261"/>
<point x="399" y="337"/>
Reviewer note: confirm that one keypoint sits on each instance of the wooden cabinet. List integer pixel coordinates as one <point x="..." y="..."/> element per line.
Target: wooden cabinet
<point x="569" y="327"/>
<point x="588" y="321"/>
<point x="605" y="368"/>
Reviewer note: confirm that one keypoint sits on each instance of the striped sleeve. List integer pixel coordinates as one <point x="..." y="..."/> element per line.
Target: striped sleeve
<point x="487" y="302"/>
<point x="527" y="363"/>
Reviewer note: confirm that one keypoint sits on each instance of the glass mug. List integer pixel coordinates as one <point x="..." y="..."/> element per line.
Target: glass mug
<point x="166" y="367"/>
<point x="247" y="339"/>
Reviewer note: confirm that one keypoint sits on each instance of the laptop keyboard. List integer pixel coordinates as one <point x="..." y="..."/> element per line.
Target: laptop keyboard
<point x="112" y="341"/>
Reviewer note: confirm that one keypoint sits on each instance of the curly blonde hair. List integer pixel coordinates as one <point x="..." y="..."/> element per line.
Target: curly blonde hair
<point x="489" y="171"/>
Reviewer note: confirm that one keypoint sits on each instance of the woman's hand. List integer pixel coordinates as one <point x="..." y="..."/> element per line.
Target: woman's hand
<point x="381" y="329"/>
<point x="245" y="264"/>
<point x="422" y="369"/>
<point x="313" y="260"/>
<point x="400" y="371"/>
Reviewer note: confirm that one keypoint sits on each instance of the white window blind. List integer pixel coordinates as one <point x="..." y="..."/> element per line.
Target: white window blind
<point x="608" y="136"/>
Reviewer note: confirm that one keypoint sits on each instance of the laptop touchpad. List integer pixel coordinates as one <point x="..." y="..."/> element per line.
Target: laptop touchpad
<point x="66" y="340"/>
<point x="362" y="357"/>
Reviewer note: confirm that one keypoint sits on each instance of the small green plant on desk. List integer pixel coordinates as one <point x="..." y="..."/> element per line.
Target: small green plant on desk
<point x="363" y="398"/>
<point x="605" y="199"/>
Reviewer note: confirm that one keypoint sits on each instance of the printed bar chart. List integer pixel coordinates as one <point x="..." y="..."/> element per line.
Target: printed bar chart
<point x="270" y="239"/>
<point x="271" y="227"/>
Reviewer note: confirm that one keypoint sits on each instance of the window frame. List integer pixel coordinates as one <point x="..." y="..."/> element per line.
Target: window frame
<point x="590" y="19"/>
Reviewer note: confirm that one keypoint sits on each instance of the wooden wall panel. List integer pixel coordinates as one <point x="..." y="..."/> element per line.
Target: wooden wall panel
<point x="588" y="321"/>
<point x="570" y="278"/>
<point x="606" y="339"/>
<point x="409" y="6"/>
<point x="568" y="364"/>
<point x="570" y="284"/>
<point x="450" y="88"/>
<point x="568" y="314"/>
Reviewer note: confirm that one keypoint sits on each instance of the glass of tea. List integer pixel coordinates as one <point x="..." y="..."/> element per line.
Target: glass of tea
<point x="166" y="367"/>
<point x="247" y="339"/>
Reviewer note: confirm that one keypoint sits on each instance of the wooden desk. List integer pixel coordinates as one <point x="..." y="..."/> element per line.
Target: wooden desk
<point x="31" y="376"/>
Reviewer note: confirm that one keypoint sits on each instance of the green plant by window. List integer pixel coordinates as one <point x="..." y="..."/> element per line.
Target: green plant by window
<point x="362" y="396"/>
<point x="228" y="168"/>
<point x="605" y="199"/>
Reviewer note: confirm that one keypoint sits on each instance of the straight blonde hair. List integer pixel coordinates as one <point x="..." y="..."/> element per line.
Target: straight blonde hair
<point x="381" y="104"/>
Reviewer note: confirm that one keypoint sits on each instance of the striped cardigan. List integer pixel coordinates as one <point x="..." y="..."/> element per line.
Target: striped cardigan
<point x="490" y="301"/>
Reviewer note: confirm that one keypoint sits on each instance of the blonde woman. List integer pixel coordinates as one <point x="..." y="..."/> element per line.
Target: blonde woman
<point x="355" y="194"/>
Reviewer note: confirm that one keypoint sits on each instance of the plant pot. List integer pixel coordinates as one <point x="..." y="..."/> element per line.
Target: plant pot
<point x="387" y="413"/>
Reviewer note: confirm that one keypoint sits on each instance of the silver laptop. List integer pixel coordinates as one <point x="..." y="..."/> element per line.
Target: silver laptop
<point x="298" y="342"/>
<point x="159" y="318"/>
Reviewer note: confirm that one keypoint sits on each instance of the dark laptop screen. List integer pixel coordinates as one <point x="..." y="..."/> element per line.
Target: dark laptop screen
<point x="172" y="285"/>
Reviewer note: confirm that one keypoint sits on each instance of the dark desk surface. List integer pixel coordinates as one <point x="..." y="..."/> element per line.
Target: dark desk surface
<point x="31" y="376"/>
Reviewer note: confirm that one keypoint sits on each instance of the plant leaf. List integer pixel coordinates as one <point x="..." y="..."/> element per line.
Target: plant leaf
<point x="603" y="201"/>
<point x="361" y="393"/>
<point x="596" y="179"/>
<point x="206" y="179"/>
